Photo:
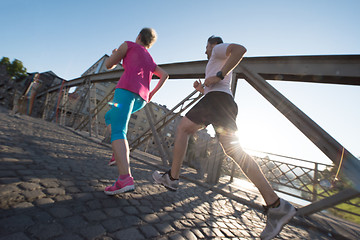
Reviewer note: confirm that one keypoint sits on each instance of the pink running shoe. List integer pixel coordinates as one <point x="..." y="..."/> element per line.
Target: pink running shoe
<point x="121" y="186"/>
<point x="112" y="161"/>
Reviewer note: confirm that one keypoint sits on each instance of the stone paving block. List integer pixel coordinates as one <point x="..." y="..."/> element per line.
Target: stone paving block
<point x="62" y="198"/>
<point x="145" y="209"/>
<point x="34" y="194"/>
<point x="16" y="167"/>
<point x="176" y="236"/>
<point x="208" y="232"/>
<point x="74" y="223"/>
<point x="150" y="218"/>
<point x="9" y="180"/>
<point x="7" y="190"/>
<point x="7" y="173"/>
<point x="67" y="236"/>
<point x="95" y="215"/>
<point x="83" y="196"/>
<point x="15" y="223"/>
<point x="177" y="215"/>
<point x="198" y="233"/>
<point x="164" y="227"/>
<point x="44" y="201"/>
<point x="93" y="231"/>
<point x="129" y="221"/>
<point x="113" y="212"/>
<point x="165" y="216"/>
<point x="178" y="225"/>
<point x="15" y="236"/>
<point x="188" y="234"/>
<point x="72" y="189"/>
<point x="54" y="191"/>
<point x="227" y="233"/>
<point x="112" y="225"/>
<point x="46" y="231"/>
<point x="25" y="172"/>
<point x="60" y="212"/>
<point x="113" y="202"/>
<point x="94" y="204"/>
<point x="49" y="183"/>
<point x="23" y="205"/>
<point x="187" y="223"/>
<point x="130" y="210"/>
<point x="42" y="217"/>
<point x="149" y="231"/>
<point x="125" y="233"/>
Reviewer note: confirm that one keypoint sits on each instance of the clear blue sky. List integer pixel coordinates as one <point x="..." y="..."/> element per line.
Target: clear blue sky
<point x="67" y="37"/>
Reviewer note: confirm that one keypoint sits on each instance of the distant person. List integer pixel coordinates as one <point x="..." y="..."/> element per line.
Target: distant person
<point x="131" y="94"/>
<point x="26" y="101"/>
<point x="33" y="88"/>
<point x="218" y="108"/>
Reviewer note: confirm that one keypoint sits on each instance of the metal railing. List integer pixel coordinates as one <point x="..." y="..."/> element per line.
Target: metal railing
<point x="302" y="179"/>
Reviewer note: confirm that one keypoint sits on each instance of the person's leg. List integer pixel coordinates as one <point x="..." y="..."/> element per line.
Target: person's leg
<point x="232" y="148"/>
<point x="107" y="137"/>
<point x="119" y="117"/>
<point x="170" y="179"/>
<point x="128" y="104"/>
<point x="185" y="129"/>
<point x="120" y="149"/>
<point x="279" y="211"/>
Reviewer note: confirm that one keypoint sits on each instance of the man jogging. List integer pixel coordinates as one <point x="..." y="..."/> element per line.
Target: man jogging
<point x="218" y="108"/>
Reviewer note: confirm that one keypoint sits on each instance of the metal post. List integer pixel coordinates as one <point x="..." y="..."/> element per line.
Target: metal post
<point x="164" y="155"/>
<point x="232" y="171"/>
<point x="315" y="182"/>
<point x="96" y="113"/>
<point x="89" y="101"/>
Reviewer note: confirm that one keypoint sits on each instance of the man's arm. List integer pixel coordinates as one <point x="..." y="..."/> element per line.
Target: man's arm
<point x="235" y="53"/>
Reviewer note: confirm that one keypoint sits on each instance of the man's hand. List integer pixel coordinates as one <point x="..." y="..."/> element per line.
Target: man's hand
<point x="211" y="81"/>
<point x="198" y="86"/>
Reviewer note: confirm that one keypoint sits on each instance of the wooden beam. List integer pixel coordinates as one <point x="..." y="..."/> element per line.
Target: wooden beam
<point x="328" y="202"/>
<point x="335" y="69"/>
<point x="327" y="144"/>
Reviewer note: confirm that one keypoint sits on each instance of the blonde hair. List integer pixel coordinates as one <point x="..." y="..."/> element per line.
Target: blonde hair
<point x="148" y="37"/>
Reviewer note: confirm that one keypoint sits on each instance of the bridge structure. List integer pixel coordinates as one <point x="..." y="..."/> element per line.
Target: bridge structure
<point x="330" y="69"/>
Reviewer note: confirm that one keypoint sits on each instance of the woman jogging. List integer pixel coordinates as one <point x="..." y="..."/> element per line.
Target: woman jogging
<point x="131" y="94"/>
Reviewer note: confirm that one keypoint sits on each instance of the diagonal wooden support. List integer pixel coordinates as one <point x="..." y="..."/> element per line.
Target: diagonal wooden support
<point x="316" y="134"/>
<point x="331" y="201"/>
<point x="159" y="143"/>
<point x="98" y="108"/>
<point x="327" y="144"/>
<point x="166" y="119"/>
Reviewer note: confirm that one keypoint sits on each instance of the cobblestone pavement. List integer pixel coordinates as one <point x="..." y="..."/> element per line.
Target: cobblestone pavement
<point x="52" y="183"/>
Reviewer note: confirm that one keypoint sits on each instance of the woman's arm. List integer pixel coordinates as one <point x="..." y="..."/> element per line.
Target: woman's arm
<point x="163" y="77"/>
<point x="117" y="55"/>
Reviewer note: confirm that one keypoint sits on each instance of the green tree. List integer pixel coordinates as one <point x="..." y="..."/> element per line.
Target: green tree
<point x="5" y="61"/>
<point x="15" y="69"/>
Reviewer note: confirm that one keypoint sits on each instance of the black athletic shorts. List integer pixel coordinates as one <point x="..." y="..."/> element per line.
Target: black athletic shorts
<point x="216" y="108"/>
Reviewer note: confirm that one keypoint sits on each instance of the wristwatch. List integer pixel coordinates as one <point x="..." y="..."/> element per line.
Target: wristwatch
<point x="219" y="74"/>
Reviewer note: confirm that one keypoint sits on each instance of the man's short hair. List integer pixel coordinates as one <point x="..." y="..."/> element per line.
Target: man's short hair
<point x="215" y="40"/>
<point x="148" y="36"/>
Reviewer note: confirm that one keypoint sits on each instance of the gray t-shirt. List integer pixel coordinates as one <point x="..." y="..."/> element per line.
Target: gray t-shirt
<point x="215" y="63"/>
